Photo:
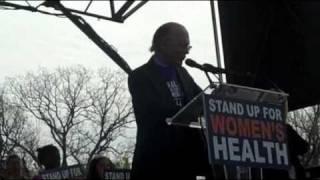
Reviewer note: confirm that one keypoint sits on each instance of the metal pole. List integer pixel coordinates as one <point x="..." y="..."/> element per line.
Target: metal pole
<point x="216" y="39"/>
<point x="217" y="47"/>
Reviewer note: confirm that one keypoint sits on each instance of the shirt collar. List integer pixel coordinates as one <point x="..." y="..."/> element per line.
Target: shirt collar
<point x="160" y="61"/>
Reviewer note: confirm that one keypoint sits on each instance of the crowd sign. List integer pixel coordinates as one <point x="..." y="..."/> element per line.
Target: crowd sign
<point x="68" y="172"/>
<point x="246" y="133"/>
<point x="117" y="174"/>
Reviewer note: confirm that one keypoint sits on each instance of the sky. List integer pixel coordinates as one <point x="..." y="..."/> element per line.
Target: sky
<point x="30" y="40"/>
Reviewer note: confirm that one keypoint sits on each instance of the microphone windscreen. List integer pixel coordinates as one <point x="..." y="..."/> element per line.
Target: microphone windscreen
<point x="191" y="63"/>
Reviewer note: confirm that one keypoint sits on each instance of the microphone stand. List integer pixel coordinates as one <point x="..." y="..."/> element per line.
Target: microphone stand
<point x="212" y="85"/>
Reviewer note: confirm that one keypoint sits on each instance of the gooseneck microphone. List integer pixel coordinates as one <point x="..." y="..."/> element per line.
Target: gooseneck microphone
<point x="212" y="69"/>
<point x="215" y="70"/>
<point x="194" y="64"/>
<point x="205" y="67"/>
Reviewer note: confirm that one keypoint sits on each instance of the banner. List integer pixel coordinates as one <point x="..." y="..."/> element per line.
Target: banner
<point x="246" y="131"/>
<point x="68" y="172"/>
<point x="117" y="174"/>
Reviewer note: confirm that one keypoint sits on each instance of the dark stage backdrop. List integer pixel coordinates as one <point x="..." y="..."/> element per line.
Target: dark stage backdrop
<point x="276" y="41"/>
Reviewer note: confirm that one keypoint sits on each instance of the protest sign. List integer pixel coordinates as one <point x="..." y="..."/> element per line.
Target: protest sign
<point x="246" y="131"/>
<point x="117" y="174"/>
<point x="68" y="172"/>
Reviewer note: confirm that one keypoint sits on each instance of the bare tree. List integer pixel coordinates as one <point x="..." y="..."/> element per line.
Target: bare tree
<point x="17" y="134"/>
<point x="107" y="116"/>
<point x="307" y="123"/>
<point x="55" y="99"/>
<point x="85" y="113"/>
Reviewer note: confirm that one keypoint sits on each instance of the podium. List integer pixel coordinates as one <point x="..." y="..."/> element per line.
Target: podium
<point x="244" y="128"/>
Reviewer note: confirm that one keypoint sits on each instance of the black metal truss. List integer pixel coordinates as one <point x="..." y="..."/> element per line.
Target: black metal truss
<point x="116" y="16"/>
<point x="125" y="10"/>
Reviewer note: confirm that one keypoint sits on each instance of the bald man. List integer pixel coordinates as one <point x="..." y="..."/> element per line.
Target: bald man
<point x="159" y="89"/>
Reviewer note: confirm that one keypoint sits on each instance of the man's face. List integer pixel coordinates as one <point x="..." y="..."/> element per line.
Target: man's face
<point x="175" y="46"/>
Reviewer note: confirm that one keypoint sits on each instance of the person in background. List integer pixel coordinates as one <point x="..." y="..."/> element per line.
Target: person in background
<point x="15" y="168"/>
<point x="159" y="89"/>
<point x="49" y="157"/>
<point x="98" y="166"/>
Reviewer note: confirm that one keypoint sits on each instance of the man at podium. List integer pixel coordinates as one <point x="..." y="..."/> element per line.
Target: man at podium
<point x="159" y="89"/>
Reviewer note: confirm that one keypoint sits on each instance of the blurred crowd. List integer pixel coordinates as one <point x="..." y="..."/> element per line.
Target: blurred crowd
<point x="14" y="167"/>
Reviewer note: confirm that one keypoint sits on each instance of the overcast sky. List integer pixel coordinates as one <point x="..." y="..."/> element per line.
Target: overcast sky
<point x="30" y="40"/>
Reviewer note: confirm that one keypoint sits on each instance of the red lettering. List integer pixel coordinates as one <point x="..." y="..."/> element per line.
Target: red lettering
<point x="231" y="126"/>
<point x="248" y="128"/>
<point x="255" y="129"/>
<point x="280" y="132"/>
<point x="244" y="127"/>
<point x="217" y="123"/>
<point x="266" y="130"/>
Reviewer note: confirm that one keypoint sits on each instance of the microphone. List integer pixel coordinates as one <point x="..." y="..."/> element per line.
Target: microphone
<point x="212" y="69"/>
<point x="216" y="70"/>
<point x="194" y="64"/>
<point x="205" y="67"/>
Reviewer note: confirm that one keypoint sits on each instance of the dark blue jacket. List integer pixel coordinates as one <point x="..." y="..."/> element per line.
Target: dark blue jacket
<point x="162" y="151"/>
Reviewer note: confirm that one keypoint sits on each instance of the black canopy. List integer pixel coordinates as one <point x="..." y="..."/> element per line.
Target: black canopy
<point x="276" y="41"/>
